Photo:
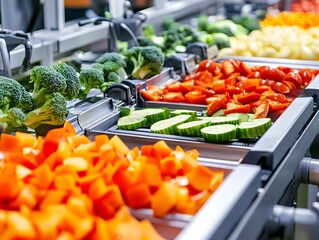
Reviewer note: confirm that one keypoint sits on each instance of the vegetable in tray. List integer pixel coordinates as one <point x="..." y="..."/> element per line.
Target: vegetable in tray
<point x="64" y="185"/>
<point x="235" y="87"/>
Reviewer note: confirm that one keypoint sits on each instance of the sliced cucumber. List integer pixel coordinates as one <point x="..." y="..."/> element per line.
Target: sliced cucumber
<point x="251" y="116"/>
<point x="219" y="112"/>
<point x="131" y="122"/>
<point x="221" y="120"/>
<point x="169" y="126"/>
<point x="182" y="111"/>
<point x="152" y="114"/>
<point x="253" y="128"/>
<point x="242" y="116"/>
<point x="125" y="110"/>
<point x="219" y="133"/>
<point x="192" y="129"/>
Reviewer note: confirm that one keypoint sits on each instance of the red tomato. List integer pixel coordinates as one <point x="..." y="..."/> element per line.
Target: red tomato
<point x="291" y="85"/>
<point x="306" y="76"/>
<point x="244" y="69"/>
<point x="254" y="74"/>
<point x="277" y="106"/>
<point x="281" y="87"/>
<point x="272" y="74"/>
<point x="261" y="109"/>
<point x="173" y="97"/>
<point x="293" y="77"/>
<point x="219" y="86"/>
<point x="208" y="92"/>
<point x="150" y="95"/>
<point x="214" y="104"/>
<point x="268" y="83"/>
<point x="247" y="98"/>
<point x="227" y="68"/>
<point x="206" y="64"/>
<point x="233" y="90"/>
<point x="285" y="69"/>
<point x="236" y="108"/>
<point x="195" y="97"/>
<point x="279" y="97"/>
<point x="262" y="89"/>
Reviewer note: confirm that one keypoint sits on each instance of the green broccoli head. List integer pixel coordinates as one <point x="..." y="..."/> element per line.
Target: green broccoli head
<point x="13" y="120"/>
<point x="26" y="103"/>
<point x="72" y="80"/>
<point x="52" y="112"/>
<point x="90" y="78"/>
<point x="46" y="80"/>
<point x="112" y="57"/>
<point x="145" y="61"/>
<point x="10" y="93"/>
<point x="108" y="67"/>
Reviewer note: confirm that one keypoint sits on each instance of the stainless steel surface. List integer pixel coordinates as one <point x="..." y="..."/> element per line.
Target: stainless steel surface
<point x="312" y="90"/>
<point x="5" y="61"/>
<point x="42" y="52"/>
<point x="221" y="213"/>
<point x="313" y="172"/>
<point x="74" y="37"/>
<point x="54" y="17"/>
<point x="252" y="224"/>
<point x="178" y="10"/>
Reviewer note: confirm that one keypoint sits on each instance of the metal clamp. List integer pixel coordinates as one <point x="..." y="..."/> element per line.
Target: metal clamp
<point x="310" y="171"/>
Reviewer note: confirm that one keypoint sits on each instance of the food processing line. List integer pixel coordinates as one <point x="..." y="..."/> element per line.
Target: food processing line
<point x="258" y="198"/>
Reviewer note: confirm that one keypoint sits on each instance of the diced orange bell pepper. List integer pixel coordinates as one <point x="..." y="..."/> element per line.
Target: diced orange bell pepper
<point x="200" y="178"/>
<point x="138" y="195"/>
<point x="10" y="143"/>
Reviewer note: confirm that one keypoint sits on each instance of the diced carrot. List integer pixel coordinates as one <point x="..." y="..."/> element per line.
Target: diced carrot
<point x="124" y="179"/>
<point x="10" y="143"/>
<point x="119" y="145"/>
<point x="26" y="139"/>
<point x="167" y="193"/>
<point x="10" y="187"/>
<point x="77" y="140"/>
<point x="170" y="166"/>
<point x="79" y="164"/>
<point x="151" y="175"/>
<point x="200" y="178"/>
<point x="188" y="163"/>
<point x="97" y="189"/>
<point x="138" y="196"/>
<point x="100" y="140"/>
<point x="19" y="227"/>
<point x="64" y="182"/>
<point x="42" y="176"/>
<point x="53" y="197"/>
<point x="161" y="149"/>
<point x="113" y="196"/>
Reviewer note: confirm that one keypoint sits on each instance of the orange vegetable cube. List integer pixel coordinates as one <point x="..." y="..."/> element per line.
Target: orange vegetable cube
<point x="119" y="145"/>
<point x="100" y="140"/>
<point x="10" y="143"/>
<point x="19" y="227"/>
<point x="138" y="196"/>
<point x="161" y="149"/>
<point x="151" y="175"/>
<point x="53" y="197"/>
<point x="164" y="199"/>
<point x="217" y="180"/>
<point x="26" y="139"/>
<point x="79" y="164"/>
<point x="65" y="182"/>
<point x="170" y="166"/>
<point x="188" y="163"/>
<point x="124" y="179"/>
<point x="97" y="189"/>
<point x="148" y="231"/>
<point x="200" y="178"/>
<point x="77" y="140"/>
<point x="10" y="187"/>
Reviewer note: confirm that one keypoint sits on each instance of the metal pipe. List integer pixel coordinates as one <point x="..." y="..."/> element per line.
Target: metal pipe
<point x="54" y="17"/>
<point x="310" y="171"/>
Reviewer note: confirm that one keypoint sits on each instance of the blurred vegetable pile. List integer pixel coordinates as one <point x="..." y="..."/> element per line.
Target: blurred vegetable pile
<point x="302" y="20"/>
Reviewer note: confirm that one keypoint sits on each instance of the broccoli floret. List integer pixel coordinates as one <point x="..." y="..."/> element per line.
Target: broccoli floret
<point x="169" y="23"/>
<point x="90" y="78"/>
<point x="52" y="112"/>
<point x="146" y="61"/>
<point x="10" y="93"/>
<point x="108" y="67"/>
<point x="72" y="80"/>
<point x="46" y="80"/>
<point x="26" y="103"/>
<point x="112" y="57"/>
<point x="13" y="120"/>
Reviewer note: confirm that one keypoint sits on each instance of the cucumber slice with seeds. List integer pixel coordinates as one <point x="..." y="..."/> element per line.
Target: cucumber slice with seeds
<point x="182" y="111"/>
<point x="192" y="129"/>
<point x="253" y="128"/>
<point x="152" y="114"/>
<point x="242" y="116"/>
<point x="169" y="126"/>
<point x="219" y="133"/>
<point x="131" y="122"/>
